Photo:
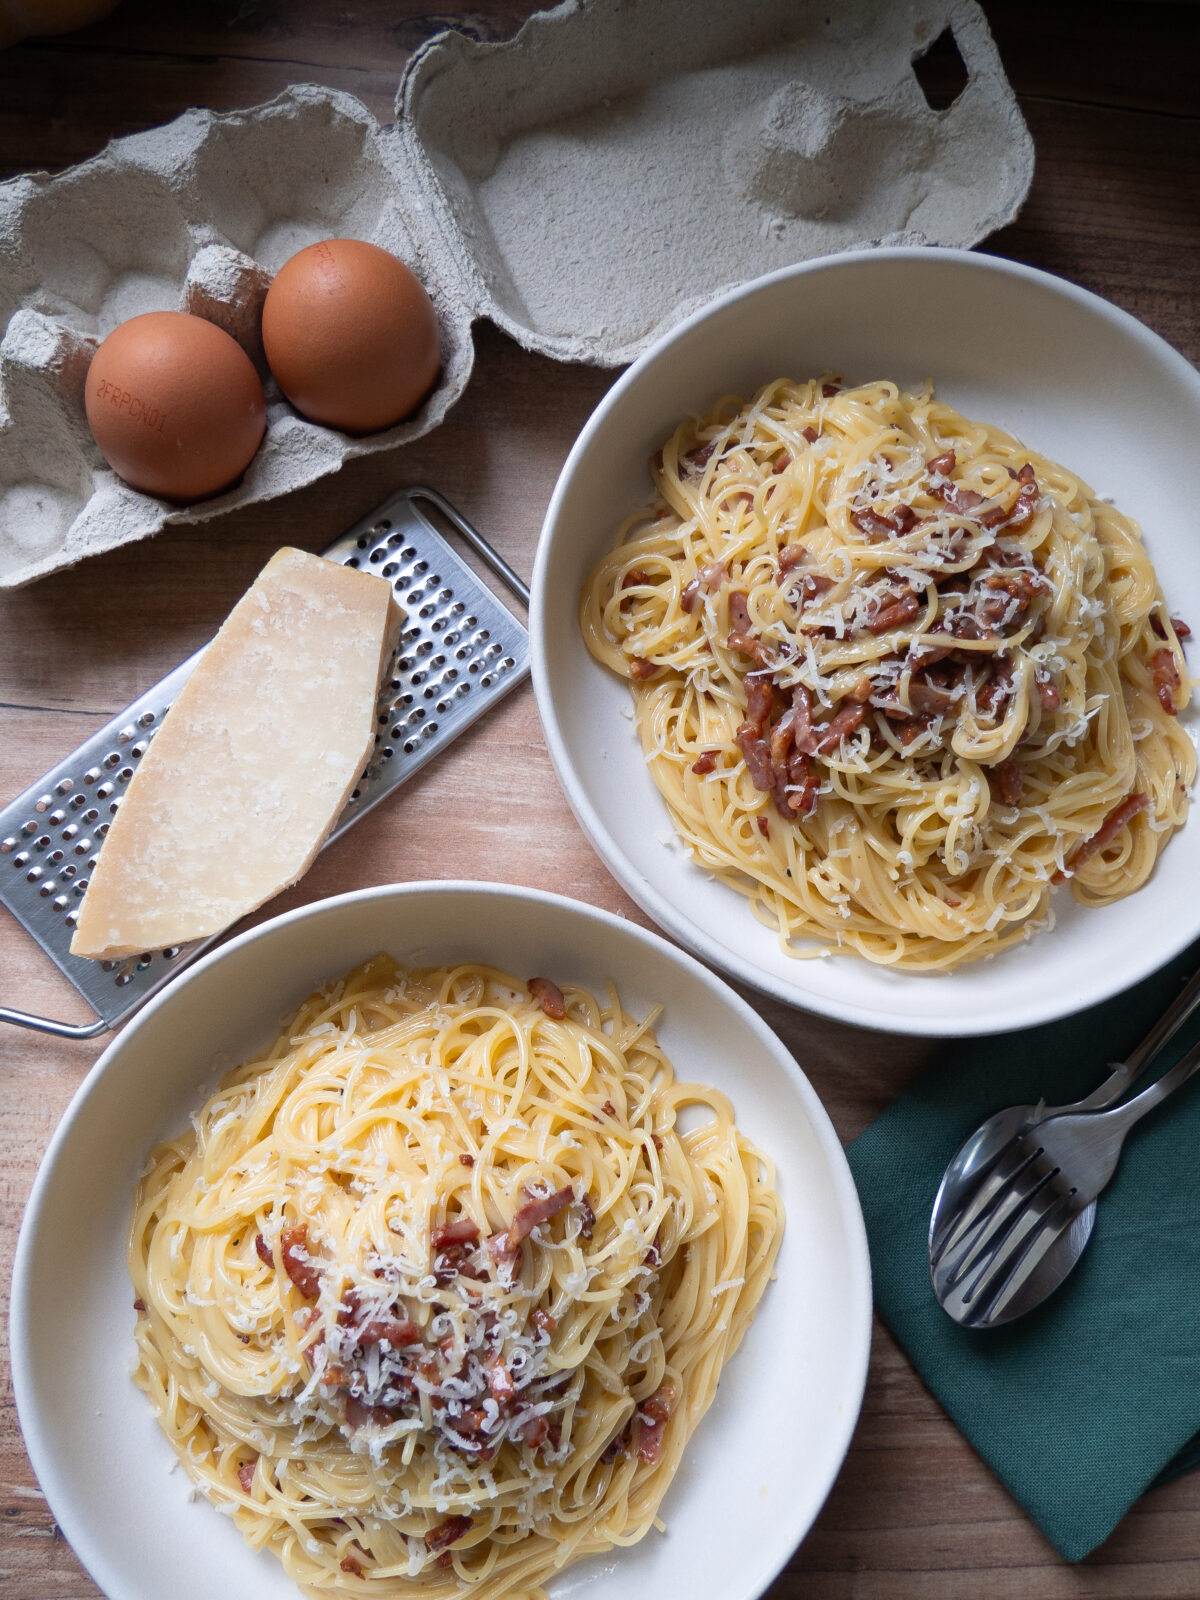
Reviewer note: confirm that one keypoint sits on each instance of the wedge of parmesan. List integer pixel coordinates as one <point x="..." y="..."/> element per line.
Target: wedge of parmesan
<point x="252" y="764"/>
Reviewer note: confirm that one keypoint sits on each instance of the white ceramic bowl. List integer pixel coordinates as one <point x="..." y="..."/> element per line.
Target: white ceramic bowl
<point x="763" y="1459"/>
<point x="1071" y="375"/>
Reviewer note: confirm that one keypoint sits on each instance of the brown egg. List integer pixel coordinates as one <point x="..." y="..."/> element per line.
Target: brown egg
<point x="175" y="405"/>
<point x="351" y="335"/>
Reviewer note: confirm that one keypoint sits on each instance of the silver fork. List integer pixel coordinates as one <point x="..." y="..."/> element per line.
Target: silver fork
<point x="1020" y="1233"/>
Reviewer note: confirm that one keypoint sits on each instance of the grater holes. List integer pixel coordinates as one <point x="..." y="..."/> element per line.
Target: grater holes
<point x="78" y="889"/>
<point x="390" y="571"/>
<point x="76" y="801"/>
<point x="104" y="791"/>
<point x="111" y="760"/>
<point x="384" y="525"/>
<point x="361" y="542"/>
<point x="69" y="871"/>
<point x="29" y="827"/>
<point x="7" y="846"/>
<point x="127" y="734"/>
<point x="42" y="843"/>
<point x="463" y="688"/>
<point x="70" y="832"/>
<point x="63" y="786"/>
<point x="378" y="553"/>
<point x="47" y="888"/>
<point x="21" y="859"/>
<point x="172" y="952"/>
<point x="60" y="902"/>
<point x="142" y="964"/>
<point x="92" y="775"/>
<point x="146" y="720"/>
<point x="55" y="857"/>
<point x="82" y="848"/>
<point x="71" y="919"/>
<point x="33" y="874"/>
<point x="122" y="979"/>
<point x="43" y="802"/>
<point x="139" y="749"/>
<point x="353" y="561"/>
<point x="57" y="818"/>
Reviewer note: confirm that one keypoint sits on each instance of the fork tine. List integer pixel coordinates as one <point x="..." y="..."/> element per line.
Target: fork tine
<point x="1011" y="1269"/>
<point x="992" y="1184"/>
<point x="991" y="1223"/>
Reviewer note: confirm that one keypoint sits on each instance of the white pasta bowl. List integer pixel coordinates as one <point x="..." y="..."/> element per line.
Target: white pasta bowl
<point x="1069" y="375"/>
<point x="762" y="1461"/>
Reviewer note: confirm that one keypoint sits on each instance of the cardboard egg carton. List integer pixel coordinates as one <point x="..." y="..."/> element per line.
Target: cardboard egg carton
<point x="584" y="186"/>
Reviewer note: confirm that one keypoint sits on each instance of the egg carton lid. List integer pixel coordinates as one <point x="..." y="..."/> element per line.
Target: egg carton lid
<point x="584" y="186"/>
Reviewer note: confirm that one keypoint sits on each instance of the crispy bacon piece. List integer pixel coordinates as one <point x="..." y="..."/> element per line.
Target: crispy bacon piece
<point x="542" y="1320"/>
<point x="958" y="498"/>
<point x="352" y="1565"/>
<point x="447" y="1533"/>
<point x="263" y="1251"/>
<point x="739" y="613"/>
<point x="943" y="464"/>
<point x="1116" y="819"/>
<point x="360" y="1415"/>
<point x="757" y="756"/>
<point x="550" y="997"/>
<point x="293" y="1248"/>
<point x="828" y="390"/>
<point x="394" y="1331"/>
<point x="877" y="525"/>
<point x="500" y="1382"/>
<point x="781" y="462"/>
<point x="760" y="700"/>
<point x="1182" y="631"/>
<point x="140" y="1305"/>
<point x="467" y="1159"/>
<point x="1047" y="690"/>
<point x="535" y="1211"/>
<point x="843" y="722"/>
<point x="461" y="1231"/>
<point x="764" y="826"/>
<point x="704" y="763"/>
<point x="1007" y="782"/>
<point x="709" y="579"/>
<point x="813" y="585"/>
<point x="929" y="697"/>
<point x="534" y="1433"/>
<point x="697" y="459"/>
<point x="894" y="614"/>
<point x="1165" y="676"/>
<point x="652" y="1419"/>
<point x="790" y="557"/>
<point x="810" y="434"/>
<point x="634" y="576"/>
<point x="640" y="669"/>
<point x="245" y="1473"/>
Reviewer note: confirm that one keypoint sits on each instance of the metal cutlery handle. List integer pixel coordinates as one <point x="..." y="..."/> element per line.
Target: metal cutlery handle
<point x="1134" y="1110"/>
<point x="1160" y="1035"/>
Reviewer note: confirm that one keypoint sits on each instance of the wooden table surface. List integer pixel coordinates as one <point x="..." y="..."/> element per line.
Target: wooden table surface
<point x="1110" y="96"/>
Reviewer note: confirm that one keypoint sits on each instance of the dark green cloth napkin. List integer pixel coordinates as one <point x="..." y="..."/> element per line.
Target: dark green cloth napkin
<point x="1095" y="1396"/>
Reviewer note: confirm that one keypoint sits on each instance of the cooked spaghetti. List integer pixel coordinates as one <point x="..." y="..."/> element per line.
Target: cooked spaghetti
<point x="435" y="1290"/>
<point x="895" y="675"/>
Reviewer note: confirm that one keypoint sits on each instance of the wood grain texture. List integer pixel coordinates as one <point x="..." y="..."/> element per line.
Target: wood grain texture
<point x="1110" y="95"/>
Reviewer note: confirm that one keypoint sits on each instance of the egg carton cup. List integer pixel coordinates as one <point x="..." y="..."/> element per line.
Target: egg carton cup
<point x="584" y="186"/>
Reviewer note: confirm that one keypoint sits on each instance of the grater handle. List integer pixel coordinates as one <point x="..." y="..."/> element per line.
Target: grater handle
<point x="64" y="1030"/>
<point x="473" y="537"/>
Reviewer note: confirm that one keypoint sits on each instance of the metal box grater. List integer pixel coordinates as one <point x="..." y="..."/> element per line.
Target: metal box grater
<point x="460" y="651"/>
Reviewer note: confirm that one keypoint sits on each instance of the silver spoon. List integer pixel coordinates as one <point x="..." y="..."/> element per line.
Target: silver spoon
<point x="978" y="1173"/>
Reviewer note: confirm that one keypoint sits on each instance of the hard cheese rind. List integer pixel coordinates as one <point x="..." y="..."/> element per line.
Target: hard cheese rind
<point x="252" y="764"/>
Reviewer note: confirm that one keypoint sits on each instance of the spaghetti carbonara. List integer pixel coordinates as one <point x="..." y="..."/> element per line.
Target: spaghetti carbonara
<point x="435" y="1290"/>
<point x="895" y="675"/>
